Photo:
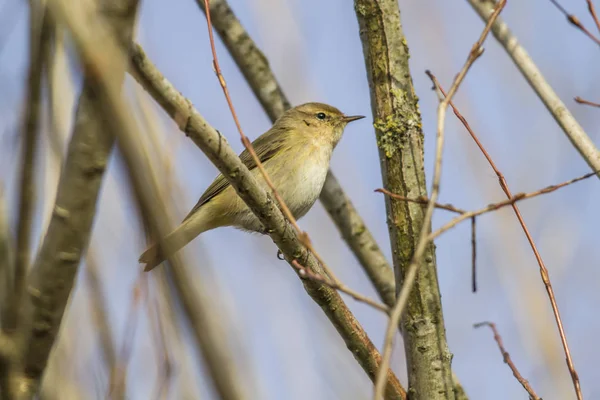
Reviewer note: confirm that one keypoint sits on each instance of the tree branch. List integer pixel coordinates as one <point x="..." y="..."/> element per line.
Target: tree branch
<point x="582" y="142"/>
<point x="400" y="141"/>
<point x="227" y="161"/>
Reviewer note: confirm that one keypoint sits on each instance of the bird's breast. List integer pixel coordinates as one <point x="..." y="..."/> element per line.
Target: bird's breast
<point x="301" y="180"/>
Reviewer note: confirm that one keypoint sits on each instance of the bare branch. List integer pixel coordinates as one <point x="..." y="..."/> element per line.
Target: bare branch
<point x="582" y="142"/>
<point x="410" y="276"/>
<point x="508" y="360"/>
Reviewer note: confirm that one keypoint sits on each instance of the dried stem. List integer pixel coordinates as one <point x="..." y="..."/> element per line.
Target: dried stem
<point x="586" y="102"/>
<point x="543" y="270"/>
<point x="307" y="273"/>
<point x="582" y="142"/>
<point x="220" y="153"/>
<point x="411" y="274"/>
<point x="592" y="10"/>
<point x="573" y="20"/>
<point x="508" y="360"/>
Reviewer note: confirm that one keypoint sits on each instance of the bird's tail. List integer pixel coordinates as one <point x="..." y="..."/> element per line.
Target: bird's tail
<point x="174" y="241"/>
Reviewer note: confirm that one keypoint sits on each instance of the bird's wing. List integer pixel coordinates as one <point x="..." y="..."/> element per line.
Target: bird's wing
<point x="265" y="146"/>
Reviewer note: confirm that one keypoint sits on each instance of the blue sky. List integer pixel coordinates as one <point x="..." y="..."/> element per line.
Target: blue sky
<point x="283" y="343"/>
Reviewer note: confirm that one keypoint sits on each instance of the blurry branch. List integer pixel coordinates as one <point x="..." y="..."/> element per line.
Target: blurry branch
<point x="220" y="153"/>
<point x="592" y="11"/>
<point x="586" y="102"/>
<point x="254" y="66"/>
<point x="115" y="113"/>
<point x="40" y="32"/>
<point x="573" y="20"/>
<point x="543" y="270"/>
<point x="55" y="268"/>
<point x="507" y="359"/>
<point x="100" y="313"/>
<point x="400" y="139"/>
<point x="6" y="256"/>
<point x="530" y="71"/>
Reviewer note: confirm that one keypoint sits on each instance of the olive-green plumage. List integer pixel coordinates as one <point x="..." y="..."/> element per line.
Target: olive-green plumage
<point x="295" y="152"/>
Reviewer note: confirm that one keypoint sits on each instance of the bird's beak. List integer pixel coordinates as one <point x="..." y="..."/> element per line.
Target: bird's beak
<point x="350" y="118"/>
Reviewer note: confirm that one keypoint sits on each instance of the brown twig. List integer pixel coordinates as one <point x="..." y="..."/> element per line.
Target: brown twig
<point x="448" y="207"/>
<point x="307" y="273"/>
<point x="508" y="360"/>
<point x="473" y="254"/>
<point x="573" y="20"/>
<point x="410" y="277"/>
<point x="592" y="10"/>
<point x="509" y="202"/>
<point x="586" y="102"/>
<point x="543" y="270"/>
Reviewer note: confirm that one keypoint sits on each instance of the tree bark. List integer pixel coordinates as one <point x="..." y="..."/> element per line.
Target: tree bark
<point x="397" y="123"/>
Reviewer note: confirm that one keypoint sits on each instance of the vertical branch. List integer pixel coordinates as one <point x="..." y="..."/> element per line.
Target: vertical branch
<point x="400" y="140"/>
<point x="38" y="45"/>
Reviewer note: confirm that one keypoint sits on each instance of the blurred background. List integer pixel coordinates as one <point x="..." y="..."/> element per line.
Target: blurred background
<point x="283" y="345"/>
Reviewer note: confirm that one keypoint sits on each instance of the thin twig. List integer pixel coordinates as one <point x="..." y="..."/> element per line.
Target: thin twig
<point x="422" y="200"/>
<point x="586" y="102"/>
<point x="410" y="276"/>
<point x="473" y="254"/>
<point x="307" y="273"/>
<point x="543" y="270"/>
<point x="580" y="140"/>
<point x="100" y="313"/>
<point x="508" y="360"/>
<point x="592" y="10"/>
<point x="573" y="20"/>
<point x="509" y="202"/>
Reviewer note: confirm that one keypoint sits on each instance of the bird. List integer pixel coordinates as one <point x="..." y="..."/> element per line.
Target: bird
<point x="295" y="153"/>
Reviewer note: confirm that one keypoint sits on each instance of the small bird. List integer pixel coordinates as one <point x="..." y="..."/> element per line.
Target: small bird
<point x="295" y="152"/>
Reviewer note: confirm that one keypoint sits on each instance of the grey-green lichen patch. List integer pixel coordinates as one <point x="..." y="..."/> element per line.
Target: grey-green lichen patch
<point x="394" y="129"/>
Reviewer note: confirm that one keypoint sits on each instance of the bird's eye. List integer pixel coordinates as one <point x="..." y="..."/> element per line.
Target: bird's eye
<point x="321" y="115"/>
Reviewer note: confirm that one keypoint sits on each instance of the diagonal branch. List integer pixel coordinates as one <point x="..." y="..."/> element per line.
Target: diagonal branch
<point x="582" y="142"/>
<point x="227" y="161"/>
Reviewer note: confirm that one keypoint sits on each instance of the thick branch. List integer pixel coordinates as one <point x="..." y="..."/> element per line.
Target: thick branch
<point x="582" y="142"/>
<point x="55" y="268"/>
<point x="400" y="141"/>
<point x="220" y="153"/>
